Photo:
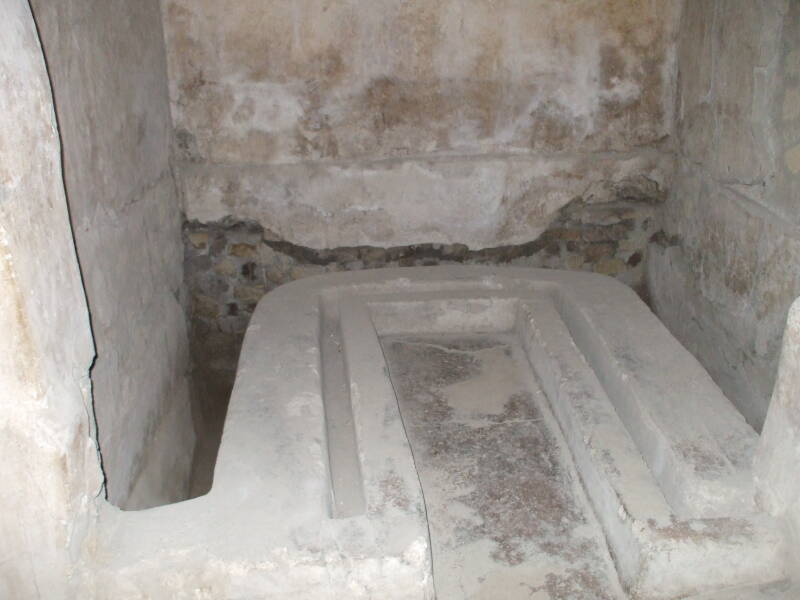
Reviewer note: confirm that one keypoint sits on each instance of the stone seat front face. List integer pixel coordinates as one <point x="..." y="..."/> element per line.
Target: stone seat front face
<point x="316" y="494"/>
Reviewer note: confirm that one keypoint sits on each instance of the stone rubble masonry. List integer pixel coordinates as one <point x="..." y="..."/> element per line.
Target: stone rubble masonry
<point x="231" y="264"/>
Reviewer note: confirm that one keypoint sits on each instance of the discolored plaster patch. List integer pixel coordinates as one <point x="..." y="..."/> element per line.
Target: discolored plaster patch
<point x="792" y="158"/>
<point x="420" y="70"/>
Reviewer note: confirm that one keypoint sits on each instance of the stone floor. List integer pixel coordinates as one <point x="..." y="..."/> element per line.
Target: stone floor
<point x="507" y="515"/>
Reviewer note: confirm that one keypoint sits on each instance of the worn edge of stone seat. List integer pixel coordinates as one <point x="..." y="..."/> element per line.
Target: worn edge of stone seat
<point x="655" y="547"/>
<point x="268" y="520"/>
<point x="702" y="464"/>
<point x="636" y="361"/>
<point x="656" y="551"/>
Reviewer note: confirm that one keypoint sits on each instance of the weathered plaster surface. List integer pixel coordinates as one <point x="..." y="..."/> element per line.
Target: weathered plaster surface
<point x="106" y="61"/>
<point x="49" y="468"/>
<point x="726" y="271"/>
<point x="480" y="201"/>
<point x="779" y="452"/>
<point x="342" y="124"/>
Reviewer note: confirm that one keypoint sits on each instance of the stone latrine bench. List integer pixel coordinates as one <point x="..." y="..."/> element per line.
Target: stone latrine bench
<point x="316" y="493"/>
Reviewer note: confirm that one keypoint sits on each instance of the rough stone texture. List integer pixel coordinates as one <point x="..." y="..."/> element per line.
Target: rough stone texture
<point x="345" y="124"/>
<point x="49" y="468"/>
<point x="779" y="452"/>
<point x="506" y="512"/>
<point x="726" y="270"/>
<point x="106" y="61"/>
<point x="231" y="264"/>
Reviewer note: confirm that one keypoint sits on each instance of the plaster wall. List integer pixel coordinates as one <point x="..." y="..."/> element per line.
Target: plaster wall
<point x="391" y="123"/>
<point x="317" y="136"/>
<point x="725" y="272"/>
<point x="107" y="64"/>
<point x="50" y="468"/>
<point x="776" y="462"/>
